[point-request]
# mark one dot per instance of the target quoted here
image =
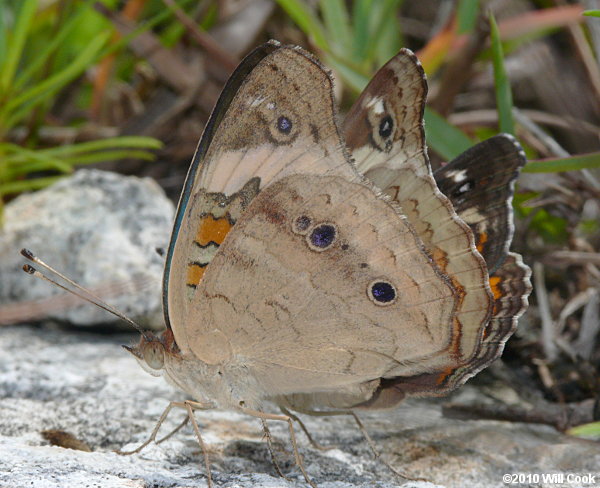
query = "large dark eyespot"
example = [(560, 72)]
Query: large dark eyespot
[(301, 224), (284, 125), (322, 237), (382, 292), (386, 126)]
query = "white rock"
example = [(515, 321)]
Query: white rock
[(87, 385), (100, 229)]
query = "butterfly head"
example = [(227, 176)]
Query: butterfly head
[(152, 350)]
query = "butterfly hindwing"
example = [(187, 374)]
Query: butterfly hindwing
[(481, 201), (384, 131), (480, 184), (322, 287)]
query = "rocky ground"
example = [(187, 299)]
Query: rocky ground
[(83, 383)]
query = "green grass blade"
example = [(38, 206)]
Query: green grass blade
[(25, 16), (383, 21), (18, 161), (110, 155), (467, 13), (16, 158), (573, 163), (306, 19), (445, 139), (504, 100), (361, 14), (337, 24), (3, 33), (22, 104), (25, 169), (591, 430), (390, 42), (42, 57), (592, 13), (138, 142), (27, 185)]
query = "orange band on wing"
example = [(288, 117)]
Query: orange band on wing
[(495, 286), (444, 374), (212, 230), (441, 259), (195, 272), (481, 240)]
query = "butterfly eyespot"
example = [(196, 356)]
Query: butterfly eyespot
[(302, 224), (386, 127), (322, 237), (284, 125), (345, 247), (382, 292)]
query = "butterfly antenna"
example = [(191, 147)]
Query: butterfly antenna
[(87, 295)]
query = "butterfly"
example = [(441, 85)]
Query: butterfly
[(324, 269)]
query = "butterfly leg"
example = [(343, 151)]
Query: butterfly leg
[(175, 430), (284, 418), (314, 443), (271, 451), (367, 437), (152, 435), (376, 452), (189, 407)]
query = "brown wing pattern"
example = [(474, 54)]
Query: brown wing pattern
[(384, 131), (275, 117)]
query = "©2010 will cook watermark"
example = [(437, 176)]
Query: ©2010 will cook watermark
[(551, 478)]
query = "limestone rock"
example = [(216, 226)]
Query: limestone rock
[(85, 384), (100, 229)]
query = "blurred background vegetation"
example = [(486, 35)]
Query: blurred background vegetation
[(115, 83)]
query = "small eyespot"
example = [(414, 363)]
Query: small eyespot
[(301, 224), (345, 247), (322, 237), (386, 126), (284, 125), (382, 292)]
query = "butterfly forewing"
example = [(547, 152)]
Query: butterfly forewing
[(384, 127), (275, 117)]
